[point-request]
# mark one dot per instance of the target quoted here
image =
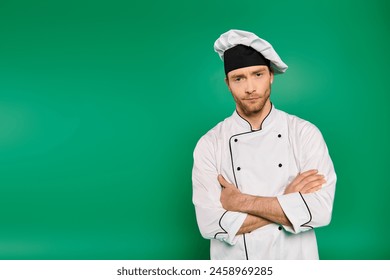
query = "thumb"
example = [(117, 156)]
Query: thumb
[(222, 181)]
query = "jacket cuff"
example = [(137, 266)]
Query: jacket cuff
[(296, 210), (231, 222)]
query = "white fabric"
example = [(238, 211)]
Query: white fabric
[(269, 159), (236, 37)]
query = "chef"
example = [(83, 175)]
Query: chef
[(263, 179)]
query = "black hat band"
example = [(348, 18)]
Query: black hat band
[(241, 56)]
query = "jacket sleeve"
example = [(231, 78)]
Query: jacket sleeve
[(307, 211), (213, 221)]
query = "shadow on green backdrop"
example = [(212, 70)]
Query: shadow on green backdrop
[(102, 103)]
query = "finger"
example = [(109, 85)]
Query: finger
[(306, 180), (313, 186), (304, 175), (312, 190), (312, 178), (308, 173)]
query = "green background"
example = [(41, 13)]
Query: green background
[(102, 103)]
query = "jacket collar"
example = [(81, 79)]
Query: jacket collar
[(268, 120)]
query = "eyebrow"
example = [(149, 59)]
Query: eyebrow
[(241, 75), (259, 70), (237, 76)]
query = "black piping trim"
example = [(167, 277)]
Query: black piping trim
[(220, 219), (231, 159), (215, 236), (305, 224), (246, 250), (235, 179), (261, 125), (243, 133)]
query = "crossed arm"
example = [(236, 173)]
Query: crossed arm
[(265, 210)]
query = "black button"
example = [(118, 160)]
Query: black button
[(280, 135), (280, 228), (235, 140), (238, 168), (280, 165)]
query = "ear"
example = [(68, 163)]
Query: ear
[(272, 76)]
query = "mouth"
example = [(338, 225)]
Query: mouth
[(252, 98)]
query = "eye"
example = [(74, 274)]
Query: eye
[(259, 74), (237, 79)]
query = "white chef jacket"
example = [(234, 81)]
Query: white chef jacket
[(262, 163)]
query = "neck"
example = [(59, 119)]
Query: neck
[(255, 119)]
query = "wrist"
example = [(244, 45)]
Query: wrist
[(246, 203)]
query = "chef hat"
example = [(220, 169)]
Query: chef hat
[(234, 38)]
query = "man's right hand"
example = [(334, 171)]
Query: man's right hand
[(306, 182)]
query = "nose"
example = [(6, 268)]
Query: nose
[(250, 86)]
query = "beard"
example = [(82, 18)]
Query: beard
[(252, 105)]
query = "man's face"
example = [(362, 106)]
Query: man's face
[(251, 88)]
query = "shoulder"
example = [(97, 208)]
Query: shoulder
[(301, 129), (303, 132), (299, 125)]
